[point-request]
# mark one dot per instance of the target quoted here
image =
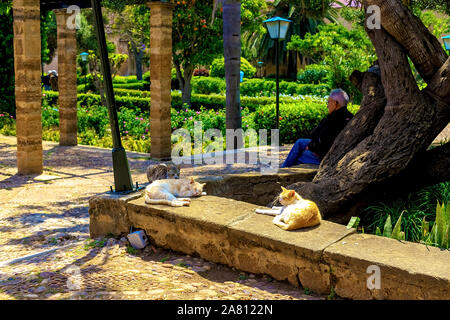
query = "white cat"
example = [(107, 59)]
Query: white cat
[(168, 191)]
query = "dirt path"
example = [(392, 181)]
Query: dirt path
[(40, 216)]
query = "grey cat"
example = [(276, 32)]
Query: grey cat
[(162, 171)]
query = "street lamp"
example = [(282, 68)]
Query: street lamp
[(277, 30), (447, 42), (259, 65), (84, 57), (122, 175)]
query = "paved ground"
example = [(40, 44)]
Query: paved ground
[(51, 217), (40, 216)]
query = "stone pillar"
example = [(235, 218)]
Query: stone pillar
[(27, 70), (67, 79), (160, 67)]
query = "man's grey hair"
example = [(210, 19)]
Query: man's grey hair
[(340, 96)]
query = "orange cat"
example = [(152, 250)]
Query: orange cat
[(297, 212), (167, 191)]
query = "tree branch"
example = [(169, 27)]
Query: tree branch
[(422, 47)]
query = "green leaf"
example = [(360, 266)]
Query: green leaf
[(440, 224), (378, 231), (387, 231), (396, 232), (424, 229), (353, 223)]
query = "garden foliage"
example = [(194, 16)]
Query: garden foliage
[(217, 68)]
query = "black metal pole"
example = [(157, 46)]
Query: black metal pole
[(122, 176), (278, 85)]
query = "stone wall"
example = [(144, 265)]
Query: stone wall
[(326, 258), (254, 187)]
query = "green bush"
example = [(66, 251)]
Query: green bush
[(140, 100), (131, 93), (413, 210), (125, 79), (146, 76), (7, 94), (217, 68), (314, 73), (297, 120), (134, 86), (260, 87), (207, 85), (7, 124)]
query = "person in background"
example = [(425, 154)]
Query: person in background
[(46, 82), (53, 79), (322, 137)]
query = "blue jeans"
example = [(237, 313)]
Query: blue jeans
[(299, 155)]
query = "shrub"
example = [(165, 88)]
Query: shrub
[(313, 73), (413, 209), (296, 119), (140, 100), (208, 85), (131, 93), (146, 76), (7, 94), (259, 87), (135, 86), (217, 68), (7, 124), (125, 79)]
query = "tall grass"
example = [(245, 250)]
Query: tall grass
[(415, 207)]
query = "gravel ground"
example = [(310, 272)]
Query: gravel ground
[(46, 252)]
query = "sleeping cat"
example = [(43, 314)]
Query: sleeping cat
[(162, 171), (167, 191), (297, 212)]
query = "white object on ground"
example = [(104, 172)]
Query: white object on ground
[(138, 239), (271, 212)]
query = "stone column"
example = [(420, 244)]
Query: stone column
[(67, 79), (27, 70), (160, 67)]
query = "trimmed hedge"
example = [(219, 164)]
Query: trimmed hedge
[(208, 85), (144, 86), (135, 99), (125, 79), (258, 87)]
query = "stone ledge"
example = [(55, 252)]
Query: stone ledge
[(230, 232), (407, 270), (254, 187)]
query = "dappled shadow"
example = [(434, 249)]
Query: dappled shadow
[(222, 273)]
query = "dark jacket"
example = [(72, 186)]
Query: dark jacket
[(322, 137)]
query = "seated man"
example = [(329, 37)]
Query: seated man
[(313, 150)]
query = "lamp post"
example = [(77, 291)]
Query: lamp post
[(84, 57), (277, 30), (447, 43), (122, 176), (259, 65)]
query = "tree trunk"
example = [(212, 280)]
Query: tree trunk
[(385, 145), (184, 79), (232, 54), (187, 89), (138, 57)]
